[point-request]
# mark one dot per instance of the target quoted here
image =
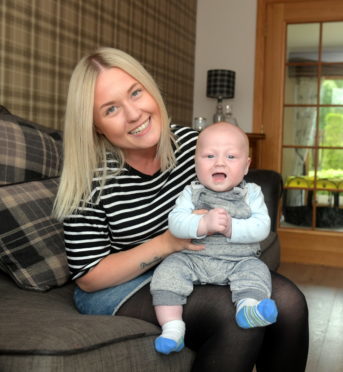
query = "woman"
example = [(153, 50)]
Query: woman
[(124, 166)]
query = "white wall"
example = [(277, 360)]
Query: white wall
[(225, 39)]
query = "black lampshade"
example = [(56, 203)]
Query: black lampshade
[(221, 83)]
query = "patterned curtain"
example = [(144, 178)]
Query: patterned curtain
[(304, 131)]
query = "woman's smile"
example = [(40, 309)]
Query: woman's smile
[(141, 129)]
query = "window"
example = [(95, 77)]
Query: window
[(312, 142)]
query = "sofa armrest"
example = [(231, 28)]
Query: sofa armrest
[(272, 188)]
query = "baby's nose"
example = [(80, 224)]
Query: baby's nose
[(220, 161)]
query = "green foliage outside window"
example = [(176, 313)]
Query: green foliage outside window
[(331, 131), (332, 136)]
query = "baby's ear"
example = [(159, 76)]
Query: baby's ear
[(247, 166)]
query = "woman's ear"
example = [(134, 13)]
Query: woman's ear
[(97, 129)]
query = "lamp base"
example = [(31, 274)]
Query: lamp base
[(219, 114), (228, 116)]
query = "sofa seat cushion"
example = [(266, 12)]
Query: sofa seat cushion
[(45, 332), (31, 241), (55, 327)]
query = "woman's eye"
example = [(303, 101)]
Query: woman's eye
[(111, 110), (136, 92)]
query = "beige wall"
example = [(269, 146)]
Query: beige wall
[(225, 38)]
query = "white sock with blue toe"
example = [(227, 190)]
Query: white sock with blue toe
[(171, 339), (251, 313)]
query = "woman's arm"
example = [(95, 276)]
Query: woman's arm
[(120, 267)]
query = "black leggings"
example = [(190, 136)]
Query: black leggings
[(220, 345)]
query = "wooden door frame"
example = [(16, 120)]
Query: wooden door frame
[(260, 47), (297, 245)]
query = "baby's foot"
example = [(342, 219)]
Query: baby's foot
[(260, 314), (166, 345), (171, 339)]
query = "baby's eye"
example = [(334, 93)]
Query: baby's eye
[(210, 156), (231, 156), (111, 110)]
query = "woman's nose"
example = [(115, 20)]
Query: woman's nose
[(132, 112)]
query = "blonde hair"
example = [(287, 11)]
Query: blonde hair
[(85, 149)]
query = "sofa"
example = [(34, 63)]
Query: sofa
[(40, 328)]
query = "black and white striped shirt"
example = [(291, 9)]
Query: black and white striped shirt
[(133, 208)]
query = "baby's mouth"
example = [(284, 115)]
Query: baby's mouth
[(140, 128), (218, 177)]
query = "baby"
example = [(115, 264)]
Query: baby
[(231, 220)]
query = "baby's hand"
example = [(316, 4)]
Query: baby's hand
[(217, 220)]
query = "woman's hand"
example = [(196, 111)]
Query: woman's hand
[(173, 244), (200, 211)]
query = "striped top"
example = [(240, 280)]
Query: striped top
[(132, 209)]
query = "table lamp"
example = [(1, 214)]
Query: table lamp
[(220, 85)]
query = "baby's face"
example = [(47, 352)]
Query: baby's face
[(222, 157)]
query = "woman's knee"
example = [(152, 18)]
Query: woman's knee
[(288, 296)]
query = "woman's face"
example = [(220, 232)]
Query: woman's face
[(125, 113)]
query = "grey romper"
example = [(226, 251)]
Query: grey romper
[(221, 262)]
